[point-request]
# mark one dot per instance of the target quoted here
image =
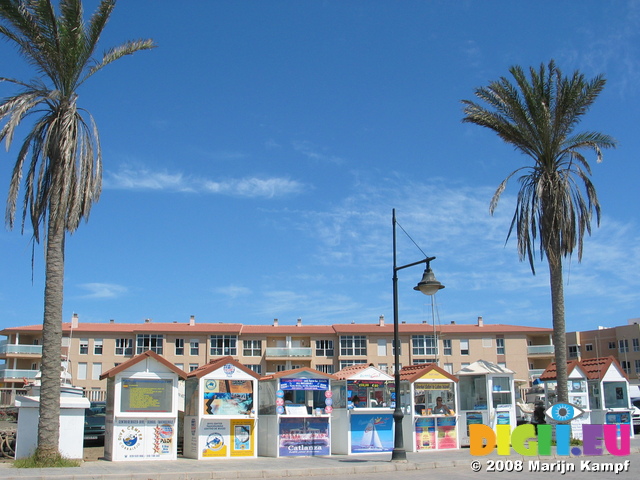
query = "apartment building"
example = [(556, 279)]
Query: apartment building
[(93, 348), (621, 342)]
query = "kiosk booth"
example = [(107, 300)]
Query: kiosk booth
[(577, 388), (486, 396), (366, 425), (72, 408), (295, 413), (219, 417), (430, 425), (608, 389), (142, 409)]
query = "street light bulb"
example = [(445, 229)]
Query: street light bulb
[(428, 285)]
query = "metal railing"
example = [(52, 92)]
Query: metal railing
[(288, 352), (10, 373), (541, 350)]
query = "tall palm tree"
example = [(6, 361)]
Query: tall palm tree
[(556, 201), (60, 157)]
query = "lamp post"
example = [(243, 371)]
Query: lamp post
[(429, 286)]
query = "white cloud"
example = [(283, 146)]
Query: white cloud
[(234, 291), (128, 178), (103, 290)]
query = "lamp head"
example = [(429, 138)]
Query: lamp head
[(428, 285)]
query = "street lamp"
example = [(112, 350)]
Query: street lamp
[(429, 286)]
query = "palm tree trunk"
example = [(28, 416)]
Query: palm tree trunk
[(559, 327), (49, 422)]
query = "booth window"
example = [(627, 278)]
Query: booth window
[(149, 341), (615, 395), (224, 345), (473, 392)]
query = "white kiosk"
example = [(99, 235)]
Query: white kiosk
[(426, 426), (72, 407), (366, 425), (219, 417), (608, 392), (577, 388), (486, 396), (142, 409), (295, 413)]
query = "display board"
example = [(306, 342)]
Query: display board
[(146, 395)]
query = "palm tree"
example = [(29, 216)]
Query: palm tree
[(556, 200), (60, 156)]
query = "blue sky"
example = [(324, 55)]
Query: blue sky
[(252, 162)]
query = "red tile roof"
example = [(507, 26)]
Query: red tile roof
[(411, 373), (214, 365), (351, 370), (551, 371), (139, 358), (593, 368), (289, 373)]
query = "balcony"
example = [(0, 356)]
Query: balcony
[(11, 375), (536, 372), (540, 350), (284, 352), (9, 349)]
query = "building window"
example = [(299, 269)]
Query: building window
[(448, 367), (124, 346), (224, 345), (487, 343), (382, 347), (446, 346), (500, 346), (252, 348), (324, 348), (180, 366), (325, 368), (422, 361), (96, 371), (502, 364), (353, 345), (465, 364), (348, 363), (464, 347), (612, 345), (257, 368), (626, 366), (637, 366), (393, 349), (424, 345), (623, 346), (82, 371), (588, 347), (194, 347), (179, 346), (84, 346), (574, 351), (149, 341), (383, 367), (193, 366), (636, 345), (97, 346)]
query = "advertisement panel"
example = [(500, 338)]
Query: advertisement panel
[(214, 437), (371, 433), (304, 437), (242, 438)]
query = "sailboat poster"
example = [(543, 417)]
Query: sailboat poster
[(371, 433)]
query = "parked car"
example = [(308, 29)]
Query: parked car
[(635, 404), (94, 420)]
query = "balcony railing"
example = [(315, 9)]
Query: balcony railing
[(288, 352), (536, 372), (8, 373), (540, 350), (8, 348)]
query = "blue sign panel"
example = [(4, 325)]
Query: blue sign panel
[(304, 384)]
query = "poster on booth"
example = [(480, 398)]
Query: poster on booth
[(425, 433), (242, 438), (227, 397), (215, 438), (371, 433), (304, 437), (141, 439)]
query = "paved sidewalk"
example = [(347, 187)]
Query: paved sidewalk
[(261, 467)]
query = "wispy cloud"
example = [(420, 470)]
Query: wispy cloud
[(129, 178), (312, 152), (233, 291), (103, 290)]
